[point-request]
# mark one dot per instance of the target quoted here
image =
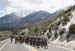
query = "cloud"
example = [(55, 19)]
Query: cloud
[(48, 5), (4, 3), (35, 1), (21, 5), (10, 10), (2, 13)]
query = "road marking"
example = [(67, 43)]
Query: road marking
[(62, 47), (26, 47), (33, 48), (30, 48), (4, 45)]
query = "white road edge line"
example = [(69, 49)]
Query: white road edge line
[(62, 47), (4, 45)]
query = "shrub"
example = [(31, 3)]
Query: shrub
[(62, 31), (65, 20), (72, 29)]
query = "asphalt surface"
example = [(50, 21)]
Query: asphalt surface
[(6, 45), (3, 42), (52, 48)]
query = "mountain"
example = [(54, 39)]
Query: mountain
[(36, 17), (15, 20), (10, 17), (7, 21)]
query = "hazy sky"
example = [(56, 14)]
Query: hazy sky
[(9, 6)]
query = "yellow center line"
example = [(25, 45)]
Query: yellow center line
[(33, 48), (30, 47)]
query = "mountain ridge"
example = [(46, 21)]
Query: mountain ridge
[(12, 20)]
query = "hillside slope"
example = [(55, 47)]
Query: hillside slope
[(62, 30)]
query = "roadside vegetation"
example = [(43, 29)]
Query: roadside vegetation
[(4, 35)]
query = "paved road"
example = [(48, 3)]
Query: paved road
[(2, 42), (52, 48), (7, 46)]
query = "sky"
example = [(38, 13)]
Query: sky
[(10, 6)]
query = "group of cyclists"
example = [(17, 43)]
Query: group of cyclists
[(36, 40)]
